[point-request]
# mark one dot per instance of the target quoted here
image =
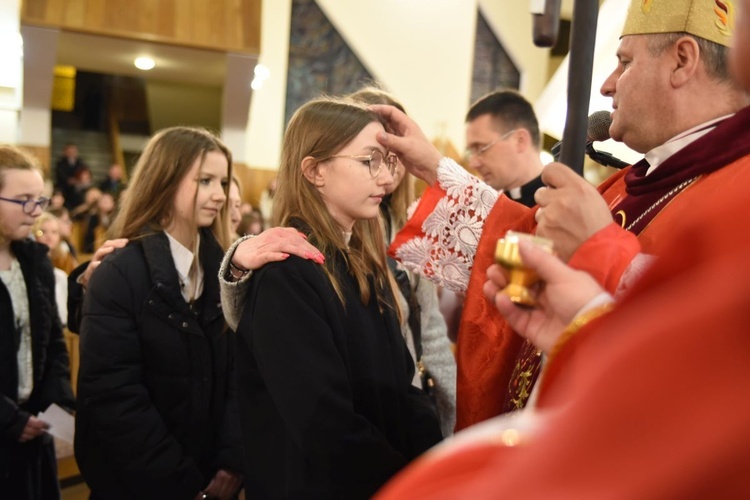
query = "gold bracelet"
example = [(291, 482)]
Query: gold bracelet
[(578, 322)]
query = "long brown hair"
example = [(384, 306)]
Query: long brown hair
[(403, 195), (320, 129), (148, 202)]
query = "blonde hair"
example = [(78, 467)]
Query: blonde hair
[(13, 158), (148, 203), (44, 217), (320, 129), (403, 195)]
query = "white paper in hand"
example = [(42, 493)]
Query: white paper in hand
[(61, 423)]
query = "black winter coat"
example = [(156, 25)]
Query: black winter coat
[(50, 364), (328, 409), (156, 410)]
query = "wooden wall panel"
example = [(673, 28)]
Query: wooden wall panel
[(225, 25), (254, 181), (42, 154)]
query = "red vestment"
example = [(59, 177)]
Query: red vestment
[(649, 401), (487, 349)]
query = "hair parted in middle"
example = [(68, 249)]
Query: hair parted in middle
[(148, 203), (320, 129)]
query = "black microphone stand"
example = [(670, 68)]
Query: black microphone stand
[(604, 158)]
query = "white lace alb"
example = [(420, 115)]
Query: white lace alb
[(445, 254)]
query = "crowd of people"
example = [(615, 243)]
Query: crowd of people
[(306, 355)]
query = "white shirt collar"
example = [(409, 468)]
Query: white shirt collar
[(660, 154), (183, 260)]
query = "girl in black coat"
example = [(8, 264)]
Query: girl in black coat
[(156, 415), (328, 409), (34, 370)]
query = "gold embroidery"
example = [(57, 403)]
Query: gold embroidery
[(624, 217)]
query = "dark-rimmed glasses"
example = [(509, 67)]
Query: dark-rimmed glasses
[(478, 151), (28, 206), (374, 160)]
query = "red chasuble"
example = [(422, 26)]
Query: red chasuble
[(649, 401), (493, 363)]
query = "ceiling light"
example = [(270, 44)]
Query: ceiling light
[(262, 72), (144, 63)]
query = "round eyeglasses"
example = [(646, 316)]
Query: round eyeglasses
[(28, 206), (374, 161)]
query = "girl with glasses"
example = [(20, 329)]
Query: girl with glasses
[(155, 416), (34, 370), (324, 378), (423, 325)]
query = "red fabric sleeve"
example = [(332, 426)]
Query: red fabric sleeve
[(413, 228), (606, 255)]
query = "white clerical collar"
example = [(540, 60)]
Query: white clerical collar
[(183, 259), (515, 193), (660, 154)]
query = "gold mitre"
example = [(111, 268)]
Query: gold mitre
[(709, 19)]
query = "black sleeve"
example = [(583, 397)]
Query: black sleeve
[(304, 372), (56, 387), (75, 298), (12, 420), (229, 449)]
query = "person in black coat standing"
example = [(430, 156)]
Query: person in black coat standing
[(327, 405), (34, 368), (156, 411)]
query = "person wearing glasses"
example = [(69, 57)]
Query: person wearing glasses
[(423, 325), (503, 144), (34, 365), (327, 405)]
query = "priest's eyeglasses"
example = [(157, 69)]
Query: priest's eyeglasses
[(28, 206), (374, 161), (480, 150)]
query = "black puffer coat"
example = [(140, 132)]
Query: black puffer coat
[(51, 373), (156, 412)]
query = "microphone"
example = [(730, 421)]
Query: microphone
[(598, 126), (596, 130), (546, 21)]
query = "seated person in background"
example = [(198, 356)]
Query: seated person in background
[(246, 208), (87, 207), (77, 194), (66, 169), (46, 230), (325, 389), (57, 200), (64, 256), (235, 204), (98, 223), (113, 183), (251, 223), (266, 202)]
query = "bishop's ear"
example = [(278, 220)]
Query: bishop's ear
[(313, 171)]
